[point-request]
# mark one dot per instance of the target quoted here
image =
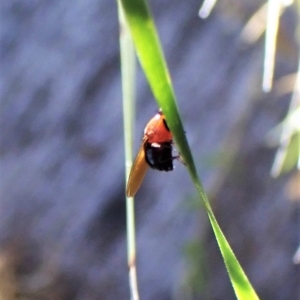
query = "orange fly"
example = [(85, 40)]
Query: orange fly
[(155, 151)]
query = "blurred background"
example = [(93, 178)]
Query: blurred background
[(62, 205)]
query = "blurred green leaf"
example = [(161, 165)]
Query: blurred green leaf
[(292, 153)]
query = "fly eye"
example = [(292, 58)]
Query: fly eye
[(166, 125)]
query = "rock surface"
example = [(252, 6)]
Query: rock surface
[(62, 206)]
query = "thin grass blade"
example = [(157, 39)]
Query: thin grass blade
[(153, 63), (128, 65)]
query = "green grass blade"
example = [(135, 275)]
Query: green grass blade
[(128, 65), (153, 63)]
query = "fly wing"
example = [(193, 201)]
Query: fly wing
[(137, 173)]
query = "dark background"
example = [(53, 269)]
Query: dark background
[(62, 206)]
